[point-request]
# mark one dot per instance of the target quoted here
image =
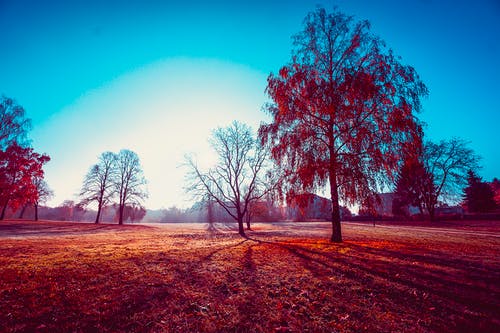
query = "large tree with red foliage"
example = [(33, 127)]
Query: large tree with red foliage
[(341, 111), (20, 168)]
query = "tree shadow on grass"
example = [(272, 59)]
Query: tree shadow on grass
[(409, 278)]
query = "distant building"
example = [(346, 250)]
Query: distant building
[(309, 206), (380, 205), (449, 212)]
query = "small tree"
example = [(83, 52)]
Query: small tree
[(237, 180), (129, 184), (19, 168), (478, 195), (98, 185), (412, 181)]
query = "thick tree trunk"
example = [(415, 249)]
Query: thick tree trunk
[(36, 212), (432, 214), (430, 205), (98, 216), (241, 229), (120, 217), (334, 193)]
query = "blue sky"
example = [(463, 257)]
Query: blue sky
[(156, 76)]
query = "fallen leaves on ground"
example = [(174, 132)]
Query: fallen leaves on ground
[(80, 278)]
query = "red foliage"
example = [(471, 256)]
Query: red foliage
[(341, 111), (19, 169)]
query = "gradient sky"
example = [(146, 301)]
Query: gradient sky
[(157, 76)]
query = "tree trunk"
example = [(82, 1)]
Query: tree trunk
[(431, 207), (334, 193), (22, 211), (4, 209), (98, 216), (241, 230), (36, 212), (210, 211), (248, 218), (120, 217), (432, 215)]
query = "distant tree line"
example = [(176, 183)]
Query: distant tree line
[(343, 118), (70, 210), (303, 208)]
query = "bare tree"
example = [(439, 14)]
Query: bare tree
[(40, 193), (98, 184), (43, 194), (130, 184), (447, 163), (433, 172), (238, 178)]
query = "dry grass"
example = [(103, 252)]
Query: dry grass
[(68, 277)]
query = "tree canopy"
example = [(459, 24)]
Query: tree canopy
[(129, 182), (436, 172), (14, 125), (98, 184), (19, 170), (479, 196), (447, 164), (237, 179), (341, 111)]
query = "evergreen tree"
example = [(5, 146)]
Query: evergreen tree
[(478, 195)]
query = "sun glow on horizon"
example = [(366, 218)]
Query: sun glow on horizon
[(162, 112)]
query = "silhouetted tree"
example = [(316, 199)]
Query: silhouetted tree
[(99, 183), (14, 125), (411, 181), (446, 165), (478, 195), (238, 178), (43, 193), (19, 168), (342, 108), (130, 184)]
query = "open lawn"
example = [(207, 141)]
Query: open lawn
[(79, 277)]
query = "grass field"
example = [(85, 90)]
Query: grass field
[(78, 277)]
